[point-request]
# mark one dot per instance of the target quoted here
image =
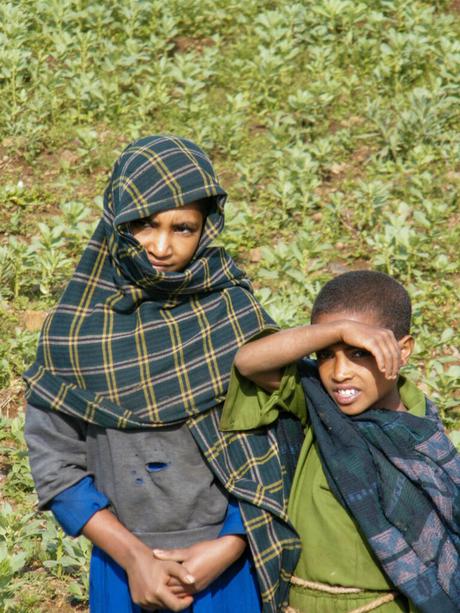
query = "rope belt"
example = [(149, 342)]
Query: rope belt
[(323, 587), (334, 589)]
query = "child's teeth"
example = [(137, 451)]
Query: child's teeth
[(348, 393)]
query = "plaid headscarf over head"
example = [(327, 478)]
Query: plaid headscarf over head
[(128, 346)]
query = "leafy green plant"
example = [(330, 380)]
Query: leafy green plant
[(334, 127)]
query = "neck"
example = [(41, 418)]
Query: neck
[(392, 401)]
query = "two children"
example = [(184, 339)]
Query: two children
[(376, 493), (123, 422)]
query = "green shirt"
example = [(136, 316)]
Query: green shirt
[(333, 550)]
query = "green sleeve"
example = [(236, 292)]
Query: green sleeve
[(247, 406)]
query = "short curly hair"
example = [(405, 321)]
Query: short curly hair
[(367, 291)]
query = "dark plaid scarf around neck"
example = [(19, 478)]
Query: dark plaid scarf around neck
[(128, 346), (398, 475)]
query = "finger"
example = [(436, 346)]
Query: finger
[(171, 555), (175, 603), (178, 588), (174, 584), (180, 591), (181, 573), (386, 352), (165, 599), (375, 348), (397, 361), (392, 355), (178, 604), (388, 360)]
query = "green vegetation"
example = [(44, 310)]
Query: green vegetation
[(334, 125)]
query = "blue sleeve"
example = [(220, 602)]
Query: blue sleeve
[(233, 523), (74, 506)]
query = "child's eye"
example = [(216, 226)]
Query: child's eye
[(323, 354), (184, 228), (361, 353), (140, 224)]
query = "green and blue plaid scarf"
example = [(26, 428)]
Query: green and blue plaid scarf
[(128, 346), (398, 475)]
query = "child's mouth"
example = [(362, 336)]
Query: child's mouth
[(345, 395), (160, 266)]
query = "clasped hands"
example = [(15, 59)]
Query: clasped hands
[(174, 575), (205, 561)]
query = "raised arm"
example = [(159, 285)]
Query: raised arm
[(262, 360)]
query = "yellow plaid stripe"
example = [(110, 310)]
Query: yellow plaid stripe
[(47, 358), (107, 354), (233, 318), (168, 176), (145, 377), (186, 391), (60, 397), (207, 180), (208, 348), (77, 322), (133, 191)]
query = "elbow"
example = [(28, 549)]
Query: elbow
[(241, 363)]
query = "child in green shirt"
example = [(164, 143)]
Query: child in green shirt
[(376, 493)]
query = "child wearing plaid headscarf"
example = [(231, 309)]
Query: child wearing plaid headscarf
[(124, 396)]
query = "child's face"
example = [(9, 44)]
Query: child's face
[(170, 238), (350, 374)]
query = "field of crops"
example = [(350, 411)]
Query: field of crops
[(334, 126)]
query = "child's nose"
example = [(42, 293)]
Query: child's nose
[(342, 368), (160, 244)]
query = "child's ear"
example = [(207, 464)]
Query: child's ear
[(406, 344)]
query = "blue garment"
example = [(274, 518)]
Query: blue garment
[(235, 589), (75, 506)]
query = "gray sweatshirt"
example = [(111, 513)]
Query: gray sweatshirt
[(158, 483)]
